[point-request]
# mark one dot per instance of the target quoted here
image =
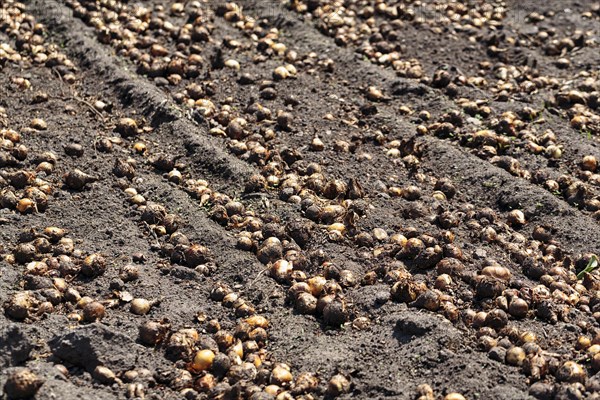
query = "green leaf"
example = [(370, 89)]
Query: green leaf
[(592, 265)]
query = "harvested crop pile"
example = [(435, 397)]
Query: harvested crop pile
[(299, 199)]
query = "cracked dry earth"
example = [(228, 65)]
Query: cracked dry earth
[(299, 199)]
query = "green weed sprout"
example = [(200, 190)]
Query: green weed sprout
[(592, 265)]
